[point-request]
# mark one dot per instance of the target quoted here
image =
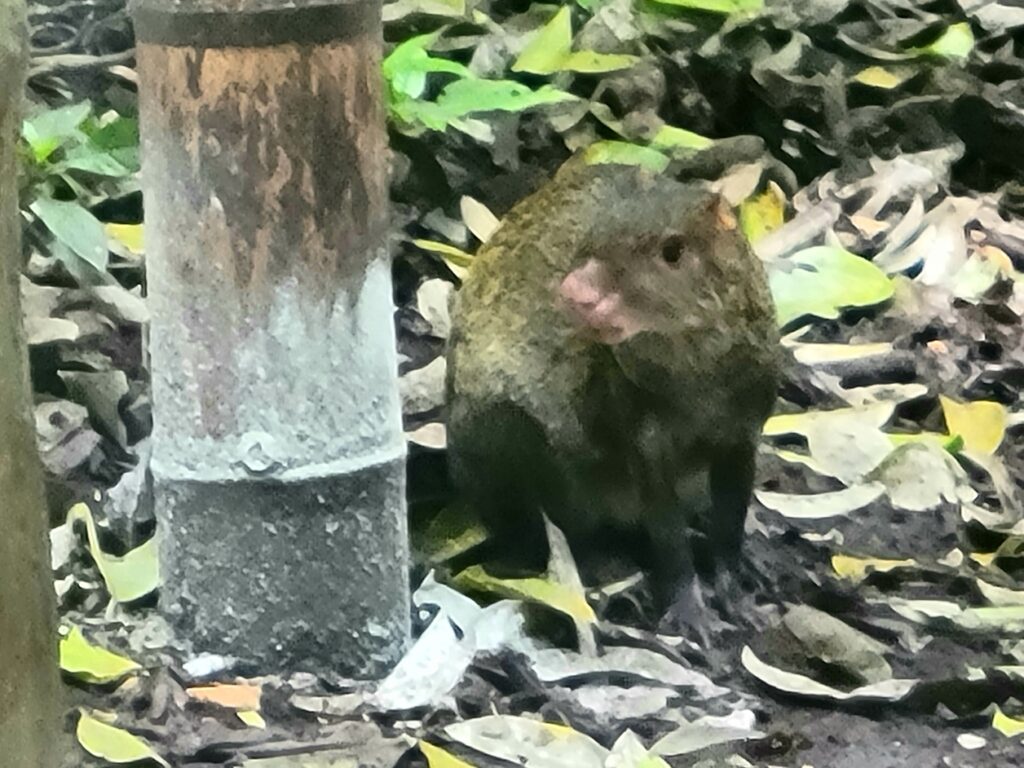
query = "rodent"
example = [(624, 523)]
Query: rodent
[(613, 357)]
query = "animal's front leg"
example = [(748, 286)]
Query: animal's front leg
[(731, 481)]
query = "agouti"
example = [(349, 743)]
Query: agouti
[(613, 357)]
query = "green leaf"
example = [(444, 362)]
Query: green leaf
[(413, 112), (46, 131), (549, 51), (956, 42), (728, 7), (625, 153), (548, 47), (113, 744), (91, 160), (82, 659), (671, 140), (454, 530), (464, 97), (129, 577), (822, 281), (119, 133), (76, 227), (594, 62), (407, 66), (539, 590)]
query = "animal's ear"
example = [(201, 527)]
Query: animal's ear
[(721, 213)]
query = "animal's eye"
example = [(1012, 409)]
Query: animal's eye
[(672, 250)]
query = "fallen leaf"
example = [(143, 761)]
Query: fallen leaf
[(129, 236), (981, 423), (822, 281), (818, 506), (113, 744), (91, 663), (549, 51), (439, 758), (530, 743), (857, 568), (478, 218), (1006, 725), (538, 590), (241, 696), (890, 690), (708, 731), (252, 719), (128, 577)]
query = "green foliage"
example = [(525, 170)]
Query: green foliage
[(550, 51), (407, 69), (822, 281), (70, 158), (727, 7), (74, 227), (625, 153)]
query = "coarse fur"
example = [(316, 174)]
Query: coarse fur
[(640, 430)]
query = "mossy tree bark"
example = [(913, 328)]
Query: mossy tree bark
[(30, 694)]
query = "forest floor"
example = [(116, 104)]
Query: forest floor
[(874, 147)]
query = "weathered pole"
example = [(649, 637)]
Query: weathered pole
[(30, 693), (278, 458)]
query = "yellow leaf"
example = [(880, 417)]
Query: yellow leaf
[(1006, 725), (252, 719), (857, 568), (129, 577), (879, 77), (984, 559), (458, 260), (439, 758), (113, 744), (536, 590), (762, 214), (82, 659), (127, 235), (981, 423)]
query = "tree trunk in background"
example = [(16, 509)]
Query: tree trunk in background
[(30, 692), (278, 454)]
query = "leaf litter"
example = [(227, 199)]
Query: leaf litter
[(885, 540)]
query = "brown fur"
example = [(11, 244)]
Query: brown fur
[(630, 421)]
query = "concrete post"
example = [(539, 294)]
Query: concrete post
[(278, 457)]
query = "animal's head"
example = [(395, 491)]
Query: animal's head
[(661, 254)]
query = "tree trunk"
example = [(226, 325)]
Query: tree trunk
[(30, 693), (278, 454)]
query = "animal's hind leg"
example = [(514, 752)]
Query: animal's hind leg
[(732, 479)]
